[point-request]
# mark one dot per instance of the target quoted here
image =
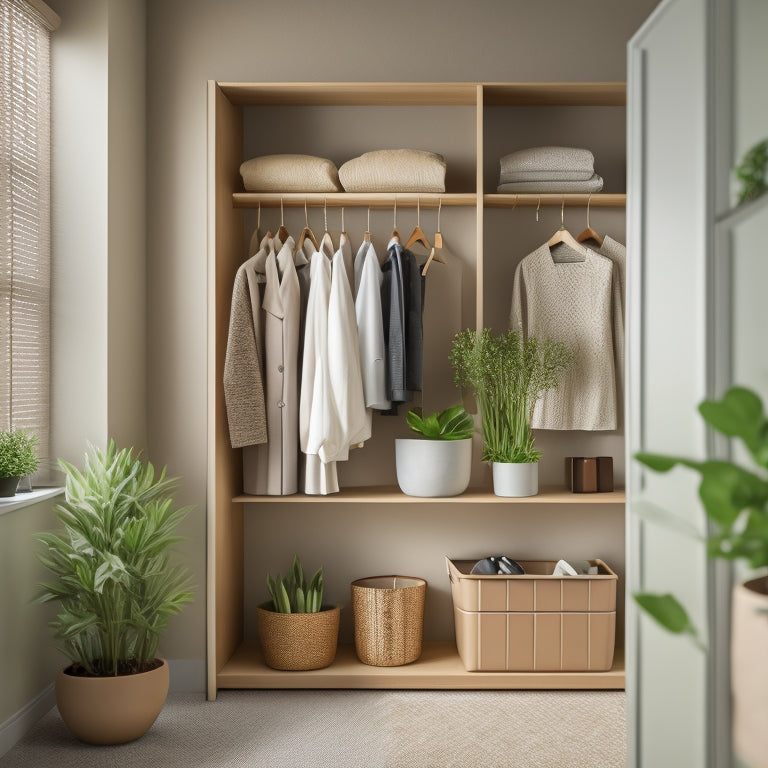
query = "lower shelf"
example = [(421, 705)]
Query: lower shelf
[(439, 667)]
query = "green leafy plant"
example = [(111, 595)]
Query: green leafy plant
[(453, 423), (114, 581), (292, 593), (507, 374), (752, 172), (734, 498), (17, 453)]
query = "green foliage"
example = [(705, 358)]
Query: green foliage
[(453, 423), (735, 499), (113, 578), (667, 611), (17, 453), (752, 172), (292, 594), (507, 374)]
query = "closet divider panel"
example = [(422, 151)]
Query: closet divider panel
[(225, 518)]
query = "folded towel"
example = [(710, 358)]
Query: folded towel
[(505, 178), (594, 184), (548, 159), (394, 170)]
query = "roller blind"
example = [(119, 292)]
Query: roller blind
[(25, 215)]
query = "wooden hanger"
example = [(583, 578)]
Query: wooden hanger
[(282, 233), (589, 233), (418, 236), (395, 234), (435, 254), (564, 236), (256, 237), (307, 232)]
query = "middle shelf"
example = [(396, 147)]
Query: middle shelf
[(388, 494)]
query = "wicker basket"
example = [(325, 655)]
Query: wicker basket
[(389, 619), (298, 641)]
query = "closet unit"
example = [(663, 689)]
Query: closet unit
[(370, 527)]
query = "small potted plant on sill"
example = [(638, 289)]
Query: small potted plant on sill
[(297, 632), (17, 459), (439, 463), (116, 590), (507, 374)]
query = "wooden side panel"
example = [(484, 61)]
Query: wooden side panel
[(225, 529)]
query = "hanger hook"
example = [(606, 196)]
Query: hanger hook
[(537, 208), (589, 200), (306, 215), (258, 217), (562, 213), (516, 198), (369, 219), (418, 210), (325, 212), (395, 214), (439, 209), (342, 219), (281, 212)]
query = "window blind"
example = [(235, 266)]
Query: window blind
[(25, 237)]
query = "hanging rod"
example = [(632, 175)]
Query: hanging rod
[(352, 199)]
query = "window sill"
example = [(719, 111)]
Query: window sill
[(28, 498)]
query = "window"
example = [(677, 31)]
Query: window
[(25, 217)]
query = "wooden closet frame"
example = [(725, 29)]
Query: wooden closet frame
[(231, 663)]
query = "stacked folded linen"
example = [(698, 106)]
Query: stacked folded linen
[(549, 169)]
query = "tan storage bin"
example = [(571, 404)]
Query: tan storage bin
[(535, 622), (389, 619)]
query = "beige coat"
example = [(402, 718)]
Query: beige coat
[(282, 308)]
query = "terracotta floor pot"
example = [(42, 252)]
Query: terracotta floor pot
[(111, 710), (298, 641), (749, 672)]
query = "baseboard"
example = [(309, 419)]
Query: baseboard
[(187, 675), (17, 725)]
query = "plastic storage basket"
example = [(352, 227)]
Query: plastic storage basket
[(535, 622), (389, 619)]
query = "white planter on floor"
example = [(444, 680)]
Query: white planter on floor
[(515, 480), (433, 467)]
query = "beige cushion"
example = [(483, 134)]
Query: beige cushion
[(394, 170), (290, 173)]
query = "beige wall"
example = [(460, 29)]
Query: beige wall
[(28, 658), (190, 42)]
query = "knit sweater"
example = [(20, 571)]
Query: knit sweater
[(578, 303)]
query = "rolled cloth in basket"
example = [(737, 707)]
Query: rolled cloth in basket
[(394, 170), (594, 184), (290, 173), (543, 160)]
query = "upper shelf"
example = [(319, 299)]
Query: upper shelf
[(426, 94), (425, 200)]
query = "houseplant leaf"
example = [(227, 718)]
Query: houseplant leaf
[(667, 611)]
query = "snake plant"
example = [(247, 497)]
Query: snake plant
[(292, 593)]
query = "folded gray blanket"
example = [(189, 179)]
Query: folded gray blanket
[(545, 176), (548, 159), (593, 184)]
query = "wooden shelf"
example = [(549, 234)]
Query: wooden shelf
[(352, 199), (611, 94), (438, 668), (391, 494), (598, 200)]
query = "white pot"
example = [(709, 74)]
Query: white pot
[(749, 671), (433, 467), (515, 480)]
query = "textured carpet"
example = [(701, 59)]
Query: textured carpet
[(347, 729)]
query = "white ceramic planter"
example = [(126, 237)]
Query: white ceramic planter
[(433, 467), (749, 671), (515, 480)]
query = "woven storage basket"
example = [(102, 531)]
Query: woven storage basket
[(298, 641), (389, 619)]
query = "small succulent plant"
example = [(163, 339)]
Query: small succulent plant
[(453, 423), (292, 593)]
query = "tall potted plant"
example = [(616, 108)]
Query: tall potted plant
[(117, 589), (507, 374), (735, 499), (17, 459), (439, 462)]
